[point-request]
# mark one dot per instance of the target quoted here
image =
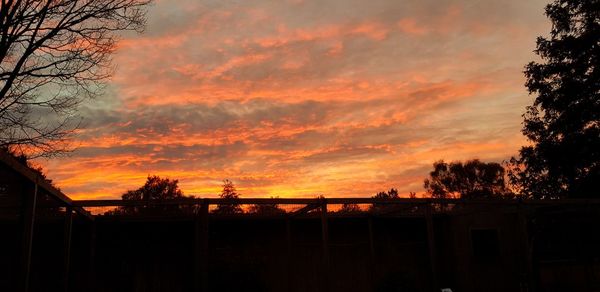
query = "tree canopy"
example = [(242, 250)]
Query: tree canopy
[(350, 208), (563, 123), (391, 194), (53, 55), (229, 192), (154, 189), (472, 179), (266, 209)]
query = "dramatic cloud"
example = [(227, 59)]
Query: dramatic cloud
[(299, 98)]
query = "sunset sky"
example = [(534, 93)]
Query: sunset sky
[(296, 98)]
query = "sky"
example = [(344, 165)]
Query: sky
[(298, 98)]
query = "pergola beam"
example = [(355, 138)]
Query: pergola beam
[(41, 183)]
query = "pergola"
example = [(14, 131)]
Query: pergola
[(32, 186)]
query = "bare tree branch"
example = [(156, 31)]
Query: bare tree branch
[(53, 55)]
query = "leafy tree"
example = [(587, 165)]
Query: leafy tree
[(155, 189), (266, 209), (563, 123), (350, 208), (391, 194), (53, 55), (473, 179), (229, 192)]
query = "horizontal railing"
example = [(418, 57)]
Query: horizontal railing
[(307, 201)]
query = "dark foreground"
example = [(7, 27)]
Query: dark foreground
[(467, 247), (49, 242)]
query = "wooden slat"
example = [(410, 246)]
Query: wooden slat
[(30, 199)]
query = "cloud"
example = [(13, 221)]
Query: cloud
[(297, 98)]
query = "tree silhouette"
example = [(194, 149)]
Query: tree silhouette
[(266, 209), (349, 209), (155, 189), (473, 179), (391, 194), (53, 55), (563, 123), (229, 192)]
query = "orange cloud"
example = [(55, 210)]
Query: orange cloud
[(287, 101), (409, 26)]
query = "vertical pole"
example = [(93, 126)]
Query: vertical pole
[(371, 254), (197, 255), (92, 263), (204, 246), (67, 247), (288, 241), (527, 282), (431, 246), (325, 243), (30, 201)]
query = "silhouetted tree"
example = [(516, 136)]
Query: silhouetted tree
[(266, 209), (391, 194), (563, 123), (229, 192), (53, 55), (350, 208), (155, 189), (473, 179)]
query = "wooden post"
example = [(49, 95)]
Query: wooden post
[(325, 243), (67, 247), (197, 255), (202, 246), (431, 246), (92, 263), (371, 254), (527, 282), (30, 201), (288, 241)]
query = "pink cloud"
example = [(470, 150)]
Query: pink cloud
[(288, 101)]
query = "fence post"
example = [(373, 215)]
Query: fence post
[(92, 263), (431, 245), (201, 247), (30, 201), (527, 283), (325, 243), (371, 254), (288, 241), (67, 246)]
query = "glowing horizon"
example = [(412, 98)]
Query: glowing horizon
[(302, 98)]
